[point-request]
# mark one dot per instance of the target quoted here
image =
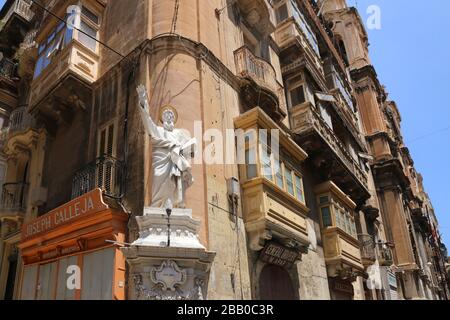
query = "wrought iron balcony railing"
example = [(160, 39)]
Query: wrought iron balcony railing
[(8, 68), (14, 197), (385, 255), (368, 252), (105, 173), (20, 120)]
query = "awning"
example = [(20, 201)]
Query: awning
[(325, 97)]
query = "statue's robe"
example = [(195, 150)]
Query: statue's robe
[(169, 163)]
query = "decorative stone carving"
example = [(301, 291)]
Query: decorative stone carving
[(162, 272), (169, 276)]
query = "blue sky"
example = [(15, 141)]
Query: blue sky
[(411, 55)]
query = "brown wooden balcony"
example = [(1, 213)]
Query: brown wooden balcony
[(259, 84), (14, 200), (105, 173), (270, 210), (342, 248), (368, 249), (329, 153), (16, 16), (64, 86), (293, 42)]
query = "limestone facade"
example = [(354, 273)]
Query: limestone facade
[(339, 213)]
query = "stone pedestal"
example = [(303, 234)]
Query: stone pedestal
[(161, 272)]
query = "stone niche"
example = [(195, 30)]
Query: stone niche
[(162, 272)]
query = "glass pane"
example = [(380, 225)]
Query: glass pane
[(289, 182), (326, 217), (266, 164), (279, 174), (323, 200), (68, 36), (250, 160), (297, 96), (85, 39), (90, 15), (39, 66), (348, 227), (299, 189)]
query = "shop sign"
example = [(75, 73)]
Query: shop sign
[(278, 255), (344, 287), (87, 204)]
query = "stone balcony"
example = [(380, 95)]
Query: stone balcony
[(318, 139), (65, 85), (259, 84), (291, 40)]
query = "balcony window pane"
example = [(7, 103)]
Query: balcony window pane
[(250, 160), (68, 36), (90, 15), (289, 181), (337, 214), (299, 189), (279, 174), (282, 13), (85, 39), (326, 217), (297, 96), (323, 200), (348, 228), (266, 164)]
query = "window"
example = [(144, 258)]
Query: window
[(279, 174), (299, 189), (326, 217), (297, 96), (289, 181), (282, 13), (61, 36), (106, 141), (305, 28), (326, 116), (56, 41)]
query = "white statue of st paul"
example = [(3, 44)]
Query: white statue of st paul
[(172, 150)]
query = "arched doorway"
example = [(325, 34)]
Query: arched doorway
[(275, 284)]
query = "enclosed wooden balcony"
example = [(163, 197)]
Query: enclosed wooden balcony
[(295, 46), (259, 84), (64, 86), (342, 248), (14, 200), (273, 197), (330, 154)]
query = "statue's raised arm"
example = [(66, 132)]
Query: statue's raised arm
[(150, 127)]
